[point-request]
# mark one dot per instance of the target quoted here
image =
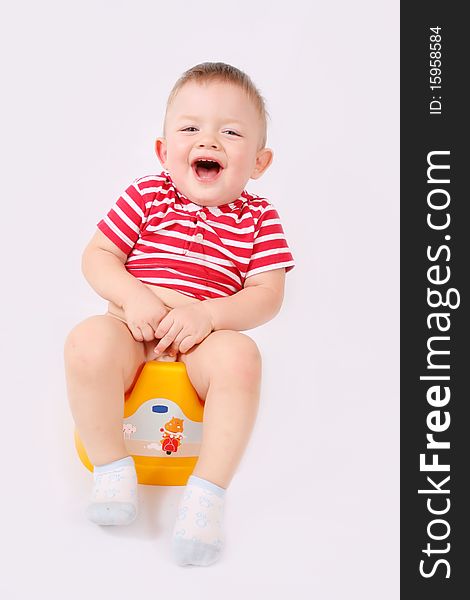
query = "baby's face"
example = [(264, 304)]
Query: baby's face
[(218, 122)]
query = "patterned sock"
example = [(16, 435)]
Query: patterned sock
[(114, 495), (197, 535)]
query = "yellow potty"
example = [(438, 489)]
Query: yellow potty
[(162, 425)]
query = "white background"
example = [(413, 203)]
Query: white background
[(313, 509)]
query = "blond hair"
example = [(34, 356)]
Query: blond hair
[(219, 71)]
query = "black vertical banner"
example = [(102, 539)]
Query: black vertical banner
[(435, 268)]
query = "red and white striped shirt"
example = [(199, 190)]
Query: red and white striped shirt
[(201, 251)]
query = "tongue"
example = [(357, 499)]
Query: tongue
[(207, 173)]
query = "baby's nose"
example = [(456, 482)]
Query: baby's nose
[(208, 143)]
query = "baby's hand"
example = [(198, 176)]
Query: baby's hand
[(143, 311), (183, 328)]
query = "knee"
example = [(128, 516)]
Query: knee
[(88, 346), (237, 356)]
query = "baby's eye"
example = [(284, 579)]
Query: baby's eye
[(232, 132), (187, 128)]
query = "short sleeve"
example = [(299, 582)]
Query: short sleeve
[(270, 248), (124, 220)]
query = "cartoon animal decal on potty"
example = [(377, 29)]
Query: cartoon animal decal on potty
[(155, 429), (172, 435)]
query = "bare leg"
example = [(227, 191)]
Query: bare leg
[(101, 362), (225, 370)]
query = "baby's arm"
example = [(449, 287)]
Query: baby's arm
[(258, 302), (103, 267)]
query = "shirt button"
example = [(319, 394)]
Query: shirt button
[(198, 237), (202, 215)]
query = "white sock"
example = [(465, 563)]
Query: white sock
[(197, 535), (114, 495)]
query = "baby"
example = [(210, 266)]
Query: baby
[(187, 259)]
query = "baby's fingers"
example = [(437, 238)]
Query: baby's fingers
[(187, 343), (175, 346), (136, 332), (147, 332), (158, 317), (141, 331), (167, 339), (164, 327)]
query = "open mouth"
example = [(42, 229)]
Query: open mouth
[(207, 170)]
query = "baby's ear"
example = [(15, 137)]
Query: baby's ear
[(264, 158), (160, 149)]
